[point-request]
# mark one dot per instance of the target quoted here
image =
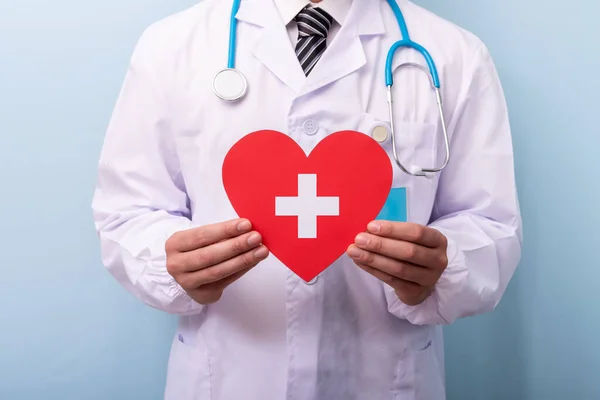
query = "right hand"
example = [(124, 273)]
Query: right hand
[(205, 260)]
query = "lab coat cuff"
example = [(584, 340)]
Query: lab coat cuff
[(163, 290), (165, 287), (437, 308)]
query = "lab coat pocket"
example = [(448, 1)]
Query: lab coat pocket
[(416, 143), (416, 146), (418, 370), (188, 376)]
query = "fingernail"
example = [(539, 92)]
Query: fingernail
[(244, 226), (361, 239), (254, 239), (374, 227), (354, 252), (261, 252)]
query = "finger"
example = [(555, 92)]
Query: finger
[(223, 283), (408, 232), (226, 269), (400, 250), (382, 276), (219, 252), (401, 270), (203, 236), (219, 286), (212, 292), (404, 290)]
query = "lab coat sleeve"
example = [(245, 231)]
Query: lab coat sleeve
[(140, 198), (476, 206)]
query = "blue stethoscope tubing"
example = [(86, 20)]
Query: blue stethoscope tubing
[(233, 34), (405, 42)]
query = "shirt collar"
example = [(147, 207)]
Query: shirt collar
[(338, 9)]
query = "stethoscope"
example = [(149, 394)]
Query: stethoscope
[(230, 84)]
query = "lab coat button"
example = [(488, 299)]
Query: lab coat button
[(313, 281), (310, 127)]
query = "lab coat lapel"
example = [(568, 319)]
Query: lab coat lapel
[(345, 54), (272, 46)]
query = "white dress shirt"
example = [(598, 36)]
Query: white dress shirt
[(288, 9)]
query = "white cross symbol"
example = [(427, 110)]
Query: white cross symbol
[(307, 206)]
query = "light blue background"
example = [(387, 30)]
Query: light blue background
[(543, 342), (69, 332)]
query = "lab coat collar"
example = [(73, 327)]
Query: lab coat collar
[(338, 9), (272, 46), (270, 42), (364, 15)]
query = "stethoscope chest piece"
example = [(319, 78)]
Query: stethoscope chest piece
[(230, 84)]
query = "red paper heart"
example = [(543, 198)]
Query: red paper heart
[(348, 165)]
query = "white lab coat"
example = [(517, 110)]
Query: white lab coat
[(272, 336)]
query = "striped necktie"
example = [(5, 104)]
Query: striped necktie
[(313, 26)]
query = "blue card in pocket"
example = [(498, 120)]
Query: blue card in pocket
[(395, 207)]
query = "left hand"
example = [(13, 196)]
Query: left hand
[(408, 257)]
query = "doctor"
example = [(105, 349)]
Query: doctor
[(369, 326)]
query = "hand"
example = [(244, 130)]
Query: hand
[(205, 260), (408, 257)]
